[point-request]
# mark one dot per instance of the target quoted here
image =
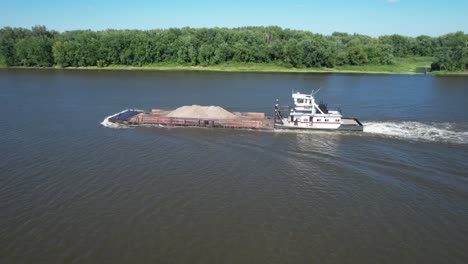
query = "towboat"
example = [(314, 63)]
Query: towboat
[(308, 115)]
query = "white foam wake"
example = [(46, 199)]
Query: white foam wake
[(436, 132), (110, 124)]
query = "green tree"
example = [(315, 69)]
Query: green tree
[(223, 53), (34, 51), (402, 46), (293, 53), (453, 55), (424, 46), (208, 46), (357, 56)]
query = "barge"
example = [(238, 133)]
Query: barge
[(305, 115), (245, 120)]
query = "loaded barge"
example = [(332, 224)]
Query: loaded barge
[(305, 115), (246, 120)]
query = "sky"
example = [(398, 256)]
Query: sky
[(369, 17)]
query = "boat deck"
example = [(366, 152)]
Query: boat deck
[(350, 122)]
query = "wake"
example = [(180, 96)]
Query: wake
[(110, 124), (434, 132)]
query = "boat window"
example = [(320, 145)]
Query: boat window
[(326, 120), (318, 120), (300, 101), (337, 120)]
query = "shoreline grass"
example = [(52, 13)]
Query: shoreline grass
[(410, 65), (450, 73)]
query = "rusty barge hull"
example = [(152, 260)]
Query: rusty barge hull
[(244, 120)]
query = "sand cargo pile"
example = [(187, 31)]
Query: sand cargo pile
[(195, 115), (206, 112)]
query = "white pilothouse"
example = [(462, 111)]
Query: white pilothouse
[(307, 114)]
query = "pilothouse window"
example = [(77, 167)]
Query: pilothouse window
[(300, 101)]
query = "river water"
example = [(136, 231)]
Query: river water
[(75, 191)]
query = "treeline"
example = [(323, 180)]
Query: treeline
[(40, 47)]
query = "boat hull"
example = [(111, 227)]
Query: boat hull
[(348, 124)]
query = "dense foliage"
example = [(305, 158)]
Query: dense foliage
[(189, 46)]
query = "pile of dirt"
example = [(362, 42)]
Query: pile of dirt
[(203, 112)]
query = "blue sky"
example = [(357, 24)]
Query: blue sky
[(371, 17)]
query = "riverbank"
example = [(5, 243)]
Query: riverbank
[(414, 65), (401, 66)]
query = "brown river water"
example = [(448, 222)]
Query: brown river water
[(73, 190)]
